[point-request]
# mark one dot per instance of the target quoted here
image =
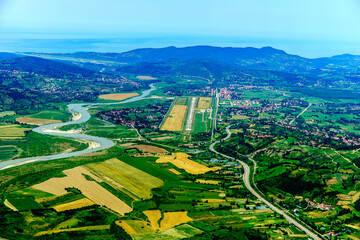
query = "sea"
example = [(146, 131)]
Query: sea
[(118, 44)]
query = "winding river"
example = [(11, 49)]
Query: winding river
[(50, 129)]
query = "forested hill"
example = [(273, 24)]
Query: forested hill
[(45, 67), (28, 83), (266, 58)]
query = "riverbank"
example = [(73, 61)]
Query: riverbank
[(81, 114)]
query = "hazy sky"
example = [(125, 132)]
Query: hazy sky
[(335, 21)]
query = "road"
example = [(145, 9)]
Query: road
[(52, 129), (246, 178), (291, 122)]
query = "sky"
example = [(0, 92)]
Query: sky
[(311, 28)]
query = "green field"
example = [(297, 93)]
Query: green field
[(113, 132), (12, 131), (182, 101), (149, 166), (35, 193), (179, 232), (37, 144), (239, 117), (133, 179), (202, 123), (93, 122), (24, 203), (8, 152), (53, 115)]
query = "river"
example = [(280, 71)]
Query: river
[(50, 129)]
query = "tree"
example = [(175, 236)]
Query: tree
[(357, 205), (119, 232)]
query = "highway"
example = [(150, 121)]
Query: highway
[(246, 178)]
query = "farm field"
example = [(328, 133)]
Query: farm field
[(179, 232), (89, 228), (202, 115), (204, 102), (23, 203), (91, 189), (202, 121), (61, 115), (36, 121), (213, 182), (7, 113), (84, 202), (182, 101), (126, 176), (175, 120), (145, 78), (112, 132), (239, 117), (36, 144), (154, 217), (172, 219), (12, 131), (135, 226), (150, 149), (8, 152), (118, 96), (37, 194), (181, 160)]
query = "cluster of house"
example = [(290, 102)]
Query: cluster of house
[(321, 206), (339, 135), (225, 93), (122, 116)]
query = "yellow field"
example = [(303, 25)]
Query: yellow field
[(176, 118), (89, 228), (12, 131), (341, 202), (212, 200), (36, 121), (320, 214), (181, 160), (204, 102), (67, 224), (150, 149), (153, 216), (172, 219), (90, 189), (174, 171), (355, 197), (9, 205), (7, 113), (133, 179), (212, 182), (135, 226), (344, 197), (118, 96), (84, 202), (145, 78), (332, 181), (239, 117)]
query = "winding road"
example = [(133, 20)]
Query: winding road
[(291, 122), (246, 178), (52, 129)]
